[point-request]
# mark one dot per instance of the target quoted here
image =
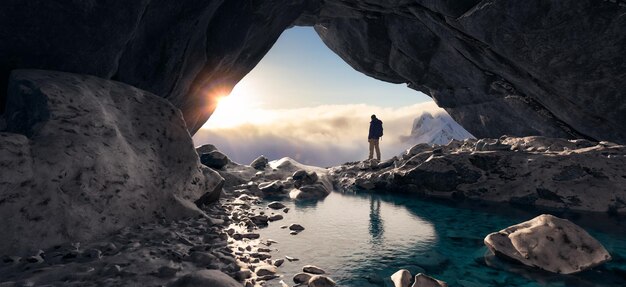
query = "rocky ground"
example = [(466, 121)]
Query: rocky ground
[(544, 172), (179, 253)]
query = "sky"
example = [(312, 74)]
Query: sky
[(305, 102)]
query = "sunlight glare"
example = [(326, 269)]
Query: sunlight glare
[(240, 107)]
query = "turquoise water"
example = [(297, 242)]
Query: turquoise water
[(360, 239)]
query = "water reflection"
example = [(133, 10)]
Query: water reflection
[(376, 222)]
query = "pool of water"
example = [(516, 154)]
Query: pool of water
[(360, 239)]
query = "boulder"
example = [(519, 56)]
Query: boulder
[(308, 192), (402, 278), (549, 243), (213, 278), (271, 188), (205, 148), (259, 163), (321, 281), (214, 159), (422, 280), (83, 157)]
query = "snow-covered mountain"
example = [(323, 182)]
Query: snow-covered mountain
[(439, 128)]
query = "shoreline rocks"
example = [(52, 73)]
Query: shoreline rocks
[(549, 243), (551, 173)]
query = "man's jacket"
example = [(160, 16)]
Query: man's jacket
[(376, 129)]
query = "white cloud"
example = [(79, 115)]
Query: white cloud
[(324, 135)]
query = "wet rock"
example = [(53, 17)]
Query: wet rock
[(259, 163), (308, 192), (271, 188), (422, 280), (291, 259), (312, 269), (275, 217), (550, 243), (276, 205), (214, 159), (402, 278), (213, 278), (301, 278), (321, 281), (265, 269), (279, 262), (296, 227)]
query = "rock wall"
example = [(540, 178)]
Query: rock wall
[(554, 68), (82, 157)]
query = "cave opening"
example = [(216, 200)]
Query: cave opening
[(303, 101)]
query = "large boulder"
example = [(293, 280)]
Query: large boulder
[(549, 243), (83, 157), (214, 159)]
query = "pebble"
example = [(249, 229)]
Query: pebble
[(296, 227), (286, 209), (313, 269), (275, 217), (265, 269), (279, 262), (291, 259), (276, 205), (294, 233)]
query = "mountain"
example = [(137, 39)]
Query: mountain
[(435, 129)]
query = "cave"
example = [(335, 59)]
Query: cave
[(548, 68), (100, 99)]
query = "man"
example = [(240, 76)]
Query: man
[(376, 131)]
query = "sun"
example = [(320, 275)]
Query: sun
[(237, 108)]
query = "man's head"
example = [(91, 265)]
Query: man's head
[(373, 117)]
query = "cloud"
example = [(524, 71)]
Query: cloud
[(323, 135)]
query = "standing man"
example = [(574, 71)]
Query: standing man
[(376, 131)]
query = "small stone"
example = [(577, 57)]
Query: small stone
[(294, 232), (92, 253), (279, 262), (321, 281), (167, 272), (267, 277), (276, 205), (283, 226), (301, 278), (313, 269), (265, 270), (291, 259), (275, 217), (243, 274), (251, 235), (286, 209), (296, 227)]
